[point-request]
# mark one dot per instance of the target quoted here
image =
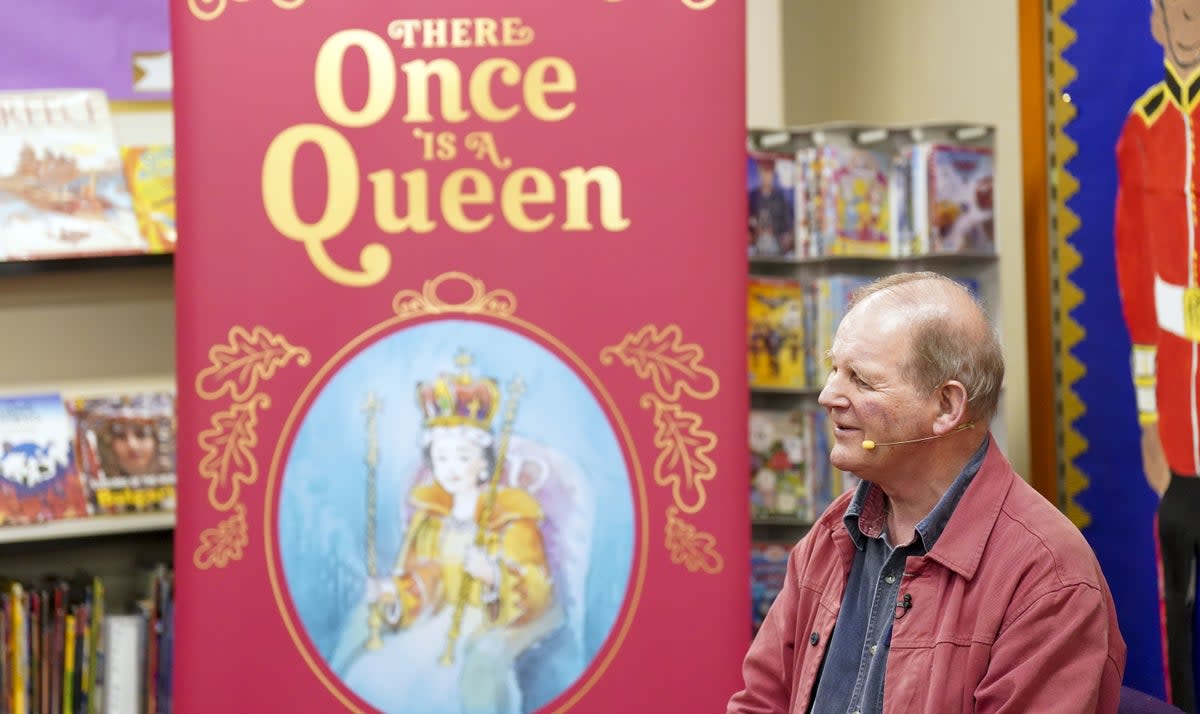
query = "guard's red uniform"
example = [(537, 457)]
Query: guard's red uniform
[(1156, 249), (1158, 272)]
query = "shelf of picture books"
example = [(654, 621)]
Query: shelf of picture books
[(68, 646), (70, 195), (76, 467), (846, 191)]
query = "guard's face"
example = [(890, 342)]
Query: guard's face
[(458, 464), (1180, 31)]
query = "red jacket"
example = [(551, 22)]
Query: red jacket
[(1010, 613), (1155, 237)]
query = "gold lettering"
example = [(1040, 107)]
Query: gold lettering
[(609, 183), (455, 195), (514, 198), (381, 78), (460, 32), (341, 170), (405, 31), (418, 73), (515, 32), (485, 32), (481, 88), (537, 86), (484, 146), (433, 32), (416, 196)]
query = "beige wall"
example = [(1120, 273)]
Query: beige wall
[(913, 61), (764, 63)]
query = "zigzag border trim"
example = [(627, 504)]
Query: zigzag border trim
[(1065, 260)]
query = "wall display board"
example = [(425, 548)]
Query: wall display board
[(1118, 242), (121, 47)]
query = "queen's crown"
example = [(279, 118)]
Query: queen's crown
[(459, 399)]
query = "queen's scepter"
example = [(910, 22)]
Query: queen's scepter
[(374, 617), (485, 514)]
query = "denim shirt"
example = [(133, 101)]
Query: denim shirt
[(851, 678)]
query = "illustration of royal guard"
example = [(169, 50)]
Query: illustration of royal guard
[(1158, 273)]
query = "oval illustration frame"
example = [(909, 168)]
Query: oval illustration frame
[(496, 308)]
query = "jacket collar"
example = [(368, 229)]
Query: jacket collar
[(961, 544), (960, 547), (1184, 91)]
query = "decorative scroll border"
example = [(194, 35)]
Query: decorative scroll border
[(500, 306), (235, 370), (675, 368), (689, 4), (1065, 261), (212, 9)]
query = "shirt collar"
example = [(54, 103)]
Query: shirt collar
[(866, 516)]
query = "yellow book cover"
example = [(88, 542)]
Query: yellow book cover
[(775, 309), (150, 171), (17, 648), (68, 702)]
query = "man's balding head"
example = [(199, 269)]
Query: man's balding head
[(950, 335)]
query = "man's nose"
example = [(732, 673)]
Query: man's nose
[(831, 394)]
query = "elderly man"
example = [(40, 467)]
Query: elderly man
[(943, 583)]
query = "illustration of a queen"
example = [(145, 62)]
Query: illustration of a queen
[(472, 587)]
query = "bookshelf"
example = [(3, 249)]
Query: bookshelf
[(88, 327), (865, 202), (84, 327)]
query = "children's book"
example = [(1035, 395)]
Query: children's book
[(779, 455), (38, 477), (770, 189), (150, 171), (768, 573), (126, 447), (776, 333), (63, 191), (959, 192)]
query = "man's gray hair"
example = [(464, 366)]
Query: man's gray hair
[(966, 350)]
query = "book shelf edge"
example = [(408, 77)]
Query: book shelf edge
[(88, 527)]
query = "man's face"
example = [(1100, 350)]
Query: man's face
[(1176, 26), (868, 394)]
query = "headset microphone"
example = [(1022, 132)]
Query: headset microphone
[(869, 445)]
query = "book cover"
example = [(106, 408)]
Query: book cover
[(779, 455), (126, 451), (63, 192), (768, 573), (960, 196), (39, 480), (770, 188), (775, 322), (858, 189), (471, 286), (150, 172)]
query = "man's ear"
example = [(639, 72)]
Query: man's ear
[(951, 407), (1158, 23)]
